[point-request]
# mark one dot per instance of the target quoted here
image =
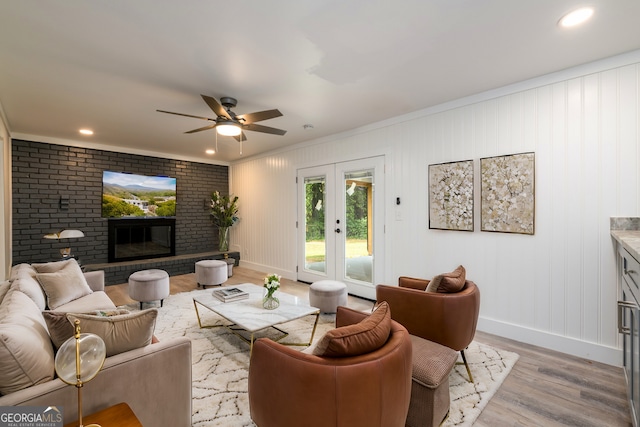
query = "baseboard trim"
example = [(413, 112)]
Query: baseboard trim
[(572, 346), (269, 270)]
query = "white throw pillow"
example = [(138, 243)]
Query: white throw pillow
[(62, 282)]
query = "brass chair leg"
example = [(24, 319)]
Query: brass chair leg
[(464, 359)]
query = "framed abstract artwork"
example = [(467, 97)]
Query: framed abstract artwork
[(451, 196), (507, 193)]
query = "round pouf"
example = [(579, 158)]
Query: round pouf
[(149, 285), (327, 295), (211, 272)]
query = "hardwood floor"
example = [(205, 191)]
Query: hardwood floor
[(545, 388)]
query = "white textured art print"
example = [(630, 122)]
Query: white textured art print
[(507, 193), (451, 196)]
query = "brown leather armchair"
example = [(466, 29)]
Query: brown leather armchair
[(288, 388), (448, 319)]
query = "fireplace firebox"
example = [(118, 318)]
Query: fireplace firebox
[(132, 239)]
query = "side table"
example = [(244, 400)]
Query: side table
[(119, 415)]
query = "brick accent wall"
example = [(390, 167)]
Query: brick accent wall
[(44, 173)]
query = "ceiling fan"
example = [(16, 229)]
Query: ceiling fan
[(229, 123)]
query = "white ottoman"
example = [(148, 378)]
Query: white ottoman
[(149, 285), (211, 272), (327, 295)]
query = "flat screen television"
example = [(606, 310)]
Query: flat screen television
[(127, 195)]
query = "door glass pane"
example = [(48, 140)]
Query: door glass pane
[(315, 251), (358, 234)]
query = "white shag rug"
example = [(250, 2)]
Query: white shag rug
[(221, 360)]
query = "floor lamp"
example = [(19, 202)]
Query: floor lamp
[(79, 359)]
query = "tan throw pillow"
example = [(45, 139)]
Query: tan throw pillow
[(449, 282), (52, 267), (122, 332), (61, 329), (360, 338), (63, 285)]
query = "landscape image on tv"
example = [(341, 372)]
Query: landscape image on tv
[(129, 195)]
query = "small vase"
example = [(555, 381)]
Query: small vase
[(269, 301), (223, 239)]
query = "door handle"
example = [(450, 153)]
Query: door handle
[(622, 329), (337, 230)]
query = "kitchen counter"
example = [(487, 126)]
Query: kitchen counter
[(630, 240)]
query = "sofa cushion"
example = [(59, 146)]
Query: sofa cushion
[(26, 353), (62, 282), (30, 286), (449, 282), (4, 287), (364, 337), (21, 270), (95, 301), (121, 332), (61, 329)]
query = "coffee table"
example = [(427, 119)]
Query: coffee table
[(249, 315)]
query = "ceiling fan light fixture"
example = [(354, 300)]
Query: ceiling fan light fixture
[(228, 128)]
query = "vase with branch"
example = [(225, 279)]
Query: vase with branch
[(224, 210)]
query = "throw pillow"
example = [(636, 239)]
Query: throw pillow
[(449, 282), (63, 285), (60, 329), (26, 354), (353, 340), (121, 332), (52, 267)]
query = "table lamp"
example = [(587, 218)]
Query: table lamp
[(65, 234), (79, 359)]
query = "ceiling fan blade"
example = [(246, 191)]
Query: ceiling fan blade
[(216, 107), (203, 128), (259, 116), (186, 115), (241, 137), (264, 129)]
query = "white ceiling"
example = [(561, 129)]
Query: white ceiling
[(335, 64)]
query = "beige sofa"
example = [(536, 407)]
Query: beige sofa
[(154, 380)]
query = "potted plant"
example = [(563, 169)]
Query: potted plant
[(223, 214)]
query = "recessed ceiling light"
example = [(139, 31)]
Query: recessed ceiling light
[(576, 17), (210, 151), (86, 131)]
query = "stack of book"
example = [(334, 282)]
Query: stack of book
[(230, 294)]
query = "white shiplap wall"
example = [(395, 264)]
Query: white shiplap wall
[(556, 288)]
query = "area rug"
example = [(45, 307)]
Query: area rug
[(221, 360)]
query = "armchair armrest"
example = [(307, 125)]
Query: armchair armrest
[(413, 283), (95, 280), (348, 316)]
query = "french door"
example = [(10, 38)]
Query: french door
[(341, 224)]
